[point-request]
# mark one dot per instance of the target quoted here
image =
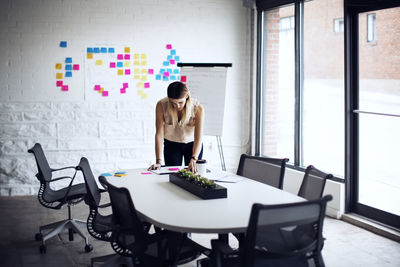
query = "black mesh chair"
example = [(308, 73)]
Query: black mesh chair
[(278, 235), (266, 170), (55, 199), (313, 184)]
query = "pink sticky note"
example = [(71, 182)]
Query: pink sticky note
[(125, 85), (120, 56), (146, 172), (166, 74), (104, 93), (112, 64), (97, 87), (172, 61), (123, 90), (59, 83), (183, 78), (64, 88), (75, 67), (127, 72), (169, 46), (173, 169), (146, 85), (151, 71), (127, 56)]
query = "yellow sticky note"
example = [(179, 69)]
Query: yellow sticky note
[(120, 174), (127, 49), (144, 96), (59, 75), (139, 92), (139, 85), (136, 56), (120, 72), (144, 78), (59, 66), (136, 71), (101, 90), (136, 62), (143, 63), (136, 77), (144, 71), (127, 64), (89, 55), (143, 56), (99, 62)]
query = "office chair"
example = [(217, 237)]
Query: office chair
[(269, 171), (278, 235), (313, 184), (55, 199)]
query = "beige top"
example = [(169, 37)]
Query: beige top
[(179, 133)]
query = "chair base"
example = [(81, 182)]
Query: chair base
[(112, 260)]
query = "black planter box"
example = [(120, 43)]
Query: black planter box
[(204, 193)]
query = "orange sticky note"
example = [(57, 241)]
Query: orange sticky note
[(59, 76), (120, 72), (127, 49), (89, 55), (59, 66)]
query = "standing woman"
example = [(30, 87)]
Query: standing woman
[(179, 123)]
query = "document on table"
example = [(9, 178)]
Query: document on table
[(167, 170), (222, 177)]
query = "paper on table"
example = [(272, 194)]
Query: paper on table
[(220, 176), (167, 170)]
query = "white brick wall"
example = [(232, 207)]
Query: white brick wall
[(111, 134)]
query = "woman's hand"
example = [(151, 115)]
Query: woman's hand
[(155, 166), (192, 166)]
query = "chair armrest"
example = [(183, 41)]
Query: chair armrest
[(102, 190), (105, 205), (64, 168), (60, 178), (221, 247)]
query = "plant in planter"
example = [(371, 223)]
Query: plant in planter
[(196, 178)]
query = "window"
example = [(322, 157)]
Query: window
[(371, 28), (286, 24), (338, 25)]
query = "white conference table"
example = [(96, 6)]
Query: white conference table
[(168, 206)]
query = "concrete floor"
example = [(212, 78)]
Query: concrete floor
[(20, 217)]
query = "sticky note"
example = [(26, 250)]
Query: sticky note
[(120, 72), (59, 76), (151, 71), (145, 172), (183, 78), (176, 71), (162, 71), (58, 66), (169, 57), (144, 96), (168, 46), (127, 64), (146, 85), (75, 67), (143, 63), (59, 83), (172, 77), (165, 79), (63, 44), (101, 90), (139, 85), (144, 71), (68, 60), (103, 50), (176, 58), (64, 88), (136, 63), (97, 87), (136, 56), (122, 90), (172, 61), (140, 92), (68, 74), (173, 52), (144, 78), (125, 85), (120, 64), (105, 174), (121, 172), (158, 77), (136, 77), (111, 50), (104, 93), (173, 169), (68, 67), (96, 50), (112, 64), (120, 56), (127, 72), (136, 71), (169, 70), (165, 63), (143, 56), (127, 56), (127, 49), (166, 74), (99, 62), (89, 50), (89, 55)]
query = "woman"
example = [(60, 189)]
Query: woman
[(179, 123)]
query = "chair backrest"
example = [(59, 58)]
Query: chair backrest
[(93, 197), (313, 184), (270, 171), (125, 216), (44, 171), (284, 231)]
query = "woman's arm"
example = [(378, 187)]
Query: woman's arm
[(198, 136), (159, 136)]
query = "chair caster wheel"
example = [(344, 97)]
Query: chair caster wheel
[(38, 237), (42, 249), (88, 248)]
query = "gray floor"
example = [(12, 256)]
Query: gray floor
[(20, 217)]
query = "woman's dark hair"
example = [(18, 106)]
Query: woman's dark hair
[(177, 90)]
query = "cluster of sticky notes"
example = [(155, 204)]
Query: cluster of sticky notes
[(142, 94), (124, 87), (98, 50), (68, 68), (171, 73), (123, 62), (98, 88), (168, 74)]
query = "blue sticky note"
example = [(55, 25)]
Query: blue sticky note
[(63, 44), (68, 67), (162, 71), (172, 78), (173, 52), (166, 63), (120, 64), (169, 70), (120, 172), (166, 79), (96, 50), (169, 57), (176, 58), (89, 50), (68, 60), (105, 174), (103, 50), (68, 74), (158, 76), (111, 50), (176, 71)]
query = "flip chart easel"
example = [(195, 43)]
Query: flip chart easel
[(207, 82)]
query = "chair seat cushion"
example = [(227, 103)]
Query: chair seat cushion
[(77, 191)]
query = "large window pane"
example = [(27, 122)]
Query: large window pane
[(278, 83), (323, 87)]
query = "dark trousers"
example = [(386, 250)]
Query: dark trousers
[(173, 153)]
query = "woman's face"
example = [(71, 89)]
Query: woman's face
[(178, 104)]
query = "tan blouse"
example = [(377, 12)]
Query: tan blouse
[(179, 133)]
